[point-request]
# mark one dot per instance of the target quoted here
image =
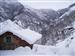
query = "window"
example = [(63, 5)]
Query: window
[(8, 40)]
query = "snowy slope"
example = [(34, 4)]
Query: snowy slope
[(68, 12)]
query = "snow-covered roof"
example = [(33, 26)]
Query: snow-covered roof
[(25, 34)]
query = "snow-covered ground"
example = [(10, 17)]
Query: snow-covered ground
[(64, 48)]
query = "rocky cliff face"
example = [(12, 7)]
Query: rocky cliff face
[(53, 25)]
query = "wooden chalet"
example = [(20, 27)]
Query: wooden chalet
[(13, 36)]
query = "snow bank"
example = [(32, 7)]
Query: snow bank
[(65, 48)]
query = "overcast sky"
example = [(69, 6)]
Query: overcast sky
[(47, 4)]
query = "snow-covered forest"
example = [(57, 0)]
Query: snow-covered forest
[(56, 26)]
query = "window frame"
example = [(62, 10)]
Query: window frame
[(5, 39)]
